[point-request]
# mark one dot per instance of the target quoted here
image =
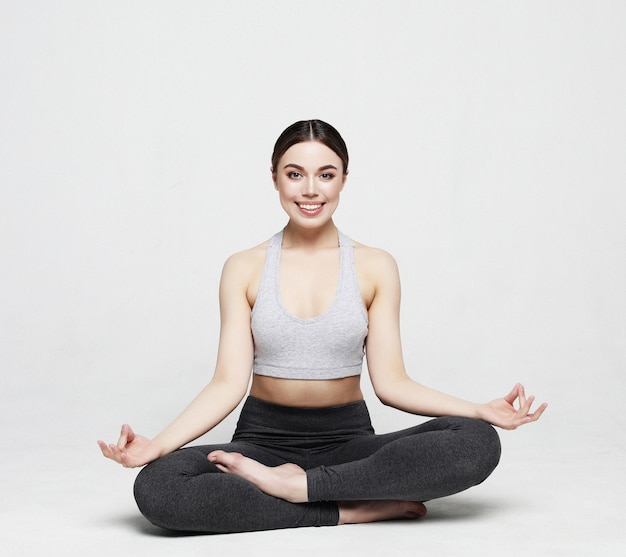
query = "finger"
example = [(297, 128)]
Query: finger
[(116, 453), (104, 449), (519, 421), (521, 393), (130, 434), (528, 403), (537, 413), (125, 460), (123, 440), (524, 409), (532, 417)]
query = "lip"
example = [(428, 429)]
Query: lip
[(310, 212)]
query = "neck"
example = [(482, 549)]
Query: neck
[(311, 238)]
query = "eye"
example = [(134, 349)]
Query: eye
[(327, 176), (294, 175)]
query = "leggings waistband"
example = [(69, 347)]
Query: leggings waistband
[(260, 419)]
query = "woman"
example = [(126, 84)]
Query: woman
[(298, 313)]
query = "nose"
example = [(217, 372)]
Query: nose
[(309, 187)]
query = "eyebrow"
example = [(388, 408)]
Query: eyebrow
[(301, 168)]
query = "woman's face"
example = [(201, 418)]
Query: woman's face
[(309, 178)]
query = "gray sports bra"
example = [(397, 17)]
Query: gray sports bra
[(330, 346)]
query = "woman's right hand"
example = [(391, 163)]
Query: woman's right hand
[(131, 450)]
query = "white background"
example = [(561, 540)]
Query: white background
[(487, 143)]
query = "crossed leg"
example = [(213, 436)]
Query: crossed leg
[(289, 482), (391, 476), (239, 486)]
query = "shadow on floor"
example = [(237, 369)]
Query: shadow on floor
[(454, 509), (438, 511)]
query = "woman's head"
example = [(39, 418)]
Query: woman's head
[(310, 130)]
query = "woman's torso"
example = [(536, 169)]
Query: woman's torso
[(308, 281)]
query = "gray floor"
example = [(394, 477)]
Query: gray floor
[(553, 494)]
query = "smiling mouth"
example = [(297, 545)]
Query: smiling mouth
[(310, 206)]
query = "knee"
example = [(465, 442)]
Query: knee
[(479, 446), (159, 487), (151, 495), (487, 447), (164, 490), (142, 489)]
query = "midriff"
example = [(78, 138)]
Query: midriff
[(307, 393)]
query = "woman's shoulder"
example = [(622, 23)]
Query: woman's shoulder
[(248, 259), (242, 271), (372, 257), (376, 269)]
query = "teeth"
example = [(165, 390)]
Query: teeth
[(310, 207)]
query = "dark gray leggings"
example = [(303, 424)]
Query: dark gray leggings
[(344, 460)]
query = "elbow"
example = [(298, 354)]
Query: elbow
[(385, 395), (231, 391), (387, 402), (239, 391), (394, 392)]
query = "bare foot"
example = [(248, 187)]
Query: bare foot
[(357, 512), (287, 481)]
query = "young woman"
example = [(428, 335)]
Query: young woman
[(298, 313)]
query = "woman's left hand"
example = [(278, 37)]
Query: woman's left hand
[(502, 412)]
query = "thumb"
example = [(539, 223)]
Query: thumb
[(130, 434), (126, 436)]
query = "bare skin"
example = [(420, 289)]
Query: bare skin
[(289, 482), (307, 394), (358, 512)]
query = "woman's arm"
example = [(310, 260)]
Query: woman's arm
[(388, 375), (226, 389)]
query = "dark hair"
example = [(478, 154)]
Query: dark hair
[(310, 130)]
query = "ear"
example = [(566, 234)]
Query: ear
[(274, 178), (343, 179)]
